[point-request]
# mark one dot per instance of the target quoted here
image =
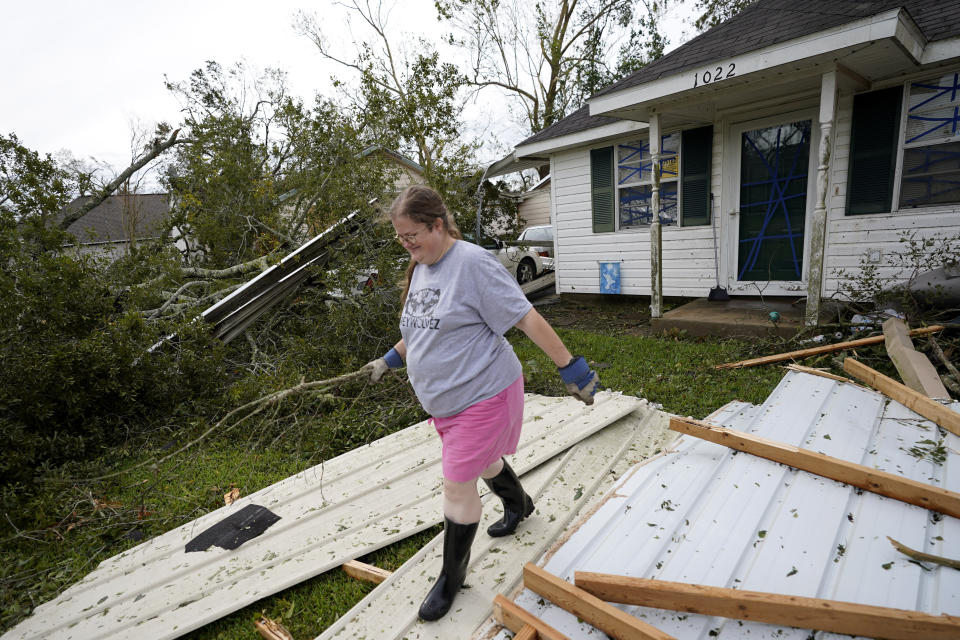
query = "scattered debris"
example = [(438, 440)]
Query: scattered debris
[(814, 351), (914, 367), (818, 372), (771, 608), (271, 629), (952, 379), (586, 606), (230, 496), (880, 482), (519, 620), (364, 571), (911, 399)]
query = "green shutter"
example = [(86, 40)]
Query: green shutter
[(602, 189), (873, 151), (696, 153)]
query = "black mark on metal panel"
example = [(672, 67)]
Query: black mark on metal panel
[(233, 531)]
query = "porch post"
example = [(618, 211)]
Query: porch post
[(818, 224), (656, 233)]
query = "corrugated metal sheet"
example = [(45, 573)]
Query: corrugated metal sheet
[(559, 487), (237, 311), (331, 513), (704, 514)]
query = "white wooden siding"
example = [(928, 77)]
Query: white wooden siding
[(535, 209), (688, 258), (851, 239)]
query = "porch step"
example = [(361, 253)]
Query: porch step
[(736, 317)]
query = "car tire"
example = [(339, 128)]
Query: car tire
[(526, 271)]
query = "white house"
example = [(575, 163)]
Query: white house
[(802, 134), (534, 206)]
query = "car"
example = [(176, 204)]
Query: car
[(524, 264), (539, 232)]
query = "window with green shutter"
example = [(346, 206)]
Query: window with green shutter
[(873, 151), (602, 189), (696, 152)]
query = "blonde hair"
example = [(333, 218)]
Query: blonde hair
[(422, 204)]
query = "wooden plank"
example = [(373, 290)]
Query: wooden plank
[(771, 608), (909, 398), (363, 571), (914, 368), (814, 351), (589, 608), (527, 633), (818, 372), (516, 618), (874, 480)]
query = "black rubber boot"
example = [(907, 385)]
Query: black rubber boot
[(517, 505), (457, 540)]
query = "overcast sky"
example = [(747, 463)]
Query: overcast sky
[(76, 73)]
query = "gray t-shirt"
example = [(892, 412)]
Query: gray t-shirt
[(453, 323)]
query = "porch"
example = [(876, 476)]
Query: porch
[(740, 316)]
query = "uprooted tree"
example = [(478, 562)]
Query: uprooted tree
[(251, 181), (410, 100)]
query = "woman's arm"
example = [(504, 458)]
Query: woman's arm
[(539, 330), (393, 359), (401, 348), (581, 381)]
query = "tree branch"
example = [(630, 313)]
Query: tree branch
[(155, 150), (254, 407), (171, 299)]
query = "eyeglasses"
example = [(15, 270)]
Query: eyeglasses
[(409, 238)]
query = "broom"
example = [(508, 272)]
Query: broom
[(718, 293)]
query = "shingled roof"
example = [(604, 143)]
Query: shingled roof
[(760, 25), (105, 223)]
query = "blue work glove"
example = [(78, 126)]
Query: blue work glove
[(377, 368), (581, 381)]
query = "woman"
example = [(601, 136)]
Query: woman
[(458, 301)]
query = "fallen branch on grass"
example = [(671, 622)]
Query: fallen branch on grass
[(814, 351), (241, 414), (952, 379)]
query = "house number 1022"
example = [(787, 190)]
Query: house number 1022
[(714, 74)]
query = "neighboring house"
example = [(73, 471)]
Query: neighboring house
[(117, 222), (804, 134), (410, 171), (534, 206)]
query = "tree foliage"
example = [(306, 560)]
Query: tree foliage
[(407, 101), (550, 56), (713, 12)]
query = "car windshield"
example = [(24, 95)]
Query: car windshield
[(485, 241), (538, 233)]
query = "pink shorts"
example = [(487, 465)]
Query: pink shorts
[(480, 434)]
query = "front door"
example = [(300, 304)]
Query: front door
[(774, 179)]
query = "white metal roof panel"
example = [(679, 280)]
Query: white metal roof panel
[(559, 488), (705, 514), (331, 513)]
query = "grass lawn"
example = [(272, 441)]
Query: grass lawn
[(78, 526)]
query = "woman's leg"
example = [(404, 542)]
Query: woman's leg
[(461, 502), (461, 510), (517, 505), (493, 470)]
